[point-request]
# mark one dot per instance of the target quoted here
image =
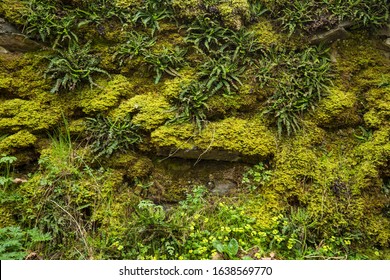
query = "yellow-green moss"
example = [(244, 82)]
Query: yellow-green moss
[(172, 87), (21, 139), (188, 9), (132, 164), (13, 10), (107, 95), (148, 110), (378, 100), (16, 114), (337, 109), (234, 12), (265, 33), (247, 137), (245, 100)]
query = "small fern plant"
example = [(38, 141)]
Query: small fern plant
[(72, 67)]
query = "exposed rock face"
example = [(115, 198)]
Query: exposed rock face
[(330, 36), (12, 40)]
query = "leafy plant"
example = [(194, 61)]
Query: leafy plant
[(313, 15), (6, 170), (136, 45), (151, 13), (191, 105), (230, 249), (257, 176), (44, 21), (207, 34), (223, 74), (297, 81), (166, 61), (72, 67), (107, 136), (15, 242)]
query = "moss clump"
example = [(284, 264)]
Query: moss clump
[(172, 87), (246, 137), (131, 164), (107, 95), (265, 33), (21, 139), (13, 10), (148, 110), (234, 13), (16, 114), (337, 109), (188, 9), (219, 105)]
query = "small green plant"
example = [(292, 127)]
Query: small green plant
[(6, 170), (166, 61), (151, 13), (364, 135), (15, 242), (107, 136), (207, 34), (223, 74), (257, 176), (136, 45), (229, 250), (46, 22), (297, 80), (191, 105), (72, 67)]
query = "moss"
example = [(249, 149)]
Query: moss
[(234, 13), (77, 127), (378, 100), (127, 3), (21, 139), (16, 114), (13, 11), (149, 110), (246, 137), (356, 54), (337, 109), (188, 9), (172, 87), (245, 100), (131, 164), (265, 33), (107, 95)]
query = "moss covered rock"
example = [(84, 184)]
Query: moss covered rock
[(230, 139)]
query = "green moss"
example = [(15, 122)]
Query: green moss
[(149, 110), (245, 100), (186, 9), (246, 137), (234, 13), (21, 139), (172, 87), (131, 164), (13, 10), (265, 33), (337, 109), (356, 54), (16, 114), (107, 95)]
